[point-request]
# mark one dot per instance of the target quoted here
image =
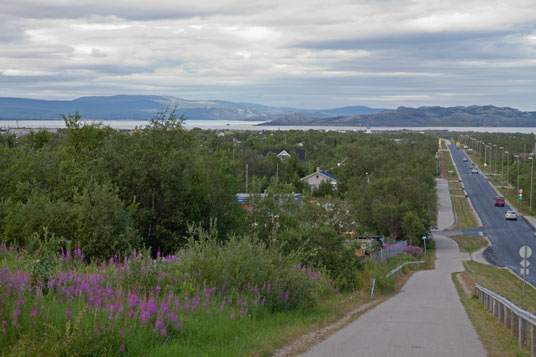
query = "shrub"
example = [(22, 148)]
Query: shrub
[(254, 267)]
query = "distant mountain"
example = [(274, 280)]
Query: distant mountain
[(487, 115), (144, 107)]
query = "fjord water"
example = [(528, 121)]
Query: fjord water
[(253, 125)]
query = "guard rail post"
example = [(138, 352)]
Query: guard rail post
[(508, 320), (532, 340), (522, 332)]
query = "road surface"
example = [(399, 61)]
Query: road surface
[(507, 237)]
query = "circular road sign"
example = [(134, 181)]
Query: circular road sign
[(520, 191), (522, 251)]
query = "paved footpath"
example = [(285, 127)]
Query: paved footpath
[(426, 318)]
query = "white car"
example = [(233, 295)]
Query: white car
[(510, 215), (474, 170)]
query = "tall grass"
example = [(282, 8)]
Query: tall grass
[(135, 304)]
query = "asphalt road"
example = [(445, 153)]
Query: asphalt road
[(507, 237)]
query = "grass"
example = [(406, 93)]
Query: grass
[(469, 244), (207, 331), (497, 340)]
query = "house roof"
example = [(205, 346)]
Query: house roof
[(323, 173), (300, 153)]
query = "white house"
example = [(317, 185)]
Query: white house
[(314, 179)]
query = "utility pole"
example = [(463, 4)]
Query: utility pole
[(277, 174), (246, 178)]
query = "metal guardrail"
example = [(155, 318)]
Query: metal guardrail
[(401, 266), (513, 317)]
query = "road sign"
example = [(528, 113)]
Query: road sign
[(524, 249), (520, 191), (525, 253), (424, 237)]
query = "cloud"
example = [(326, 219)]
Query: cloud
[(299, 53)]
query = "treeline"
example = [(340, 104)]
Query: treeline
[(107, 191)]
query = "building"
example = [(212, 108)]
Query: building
[(314, 179), (286, 153)]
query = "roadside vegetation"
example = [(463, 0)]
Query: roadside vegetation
[(134, 243), (497, 340)]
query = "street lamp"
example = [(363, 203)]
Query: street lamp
[(517, 158), (507, 171), (531, 171), (502, 165), (490, 162), (495, 146), (485, 154)]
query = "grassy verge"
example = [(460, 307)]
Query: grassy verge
[(497, 340), (469, 244)]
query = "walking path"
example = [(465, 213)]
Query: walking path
[(426, 318)]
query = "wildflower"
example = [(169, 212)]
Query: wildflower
[(122, 348), (163, 332), (178, 325), (232, 314), (158, 324), (33, 313)]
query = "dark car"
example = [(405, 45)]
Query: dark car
[(464, 159), (499, 201)]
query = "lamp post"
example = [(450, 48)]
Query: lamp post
[(517, 158), (485, 155), (507, 172), (531, 171), (490, 162), (495, 146), (502, 165)]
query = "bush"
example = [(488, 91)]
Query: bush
[(254, 267)]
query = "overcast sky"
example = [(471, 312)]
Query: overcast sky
[(299, 53)]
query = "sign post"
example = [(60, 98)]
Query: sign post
[(424, 241), (520, 192), (525, 253)]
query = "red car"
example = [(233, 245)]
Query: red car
[(499, 201)]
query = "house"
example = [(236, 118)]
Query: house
[(286, 153), (314, 179)]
